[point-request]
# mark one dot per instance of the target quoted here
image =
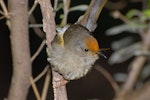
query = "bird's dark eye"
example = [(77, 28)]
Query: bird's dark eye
[(86, 50)]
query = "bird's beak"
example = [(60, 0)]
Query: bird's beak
[(102, 54)]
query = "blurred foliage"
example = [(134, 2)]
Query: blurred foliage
[(79, 8), (127, 48)]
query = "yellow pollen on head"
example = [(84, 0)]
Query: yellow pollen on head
[(92, 44)]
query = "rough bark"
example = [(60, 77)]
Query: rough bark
[(20, 49), (49, 28)]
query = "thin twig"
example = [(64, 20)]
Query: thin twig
[(33, 21), (33, 7), (1, 12), (66, 10), (38, 50), (4, 9), (117, 14), (2, 17), (46, 85), (37, 30), (5, 13), (55, 6), (33, 81), (35, 90), (41, 74), (8, 24), (112, 82)]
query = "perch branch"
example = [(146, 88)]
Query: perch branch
[(49, 28), (49, 25), (59, 93)]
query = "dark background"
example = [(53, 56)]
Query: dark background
[(94, 85)]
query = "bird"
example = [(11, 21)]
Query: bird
[(74, 54), (74, 51)]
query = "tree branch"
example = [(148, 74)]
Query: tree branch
[(49, 28), (59, 93), (142, 93), (20, 50), (91, 15), (49, 25)]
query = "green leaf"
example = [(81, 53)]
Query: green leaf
[(61, 16), (122, 28), (147, 13), (124, 53), (122, 43), (132, 13)]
